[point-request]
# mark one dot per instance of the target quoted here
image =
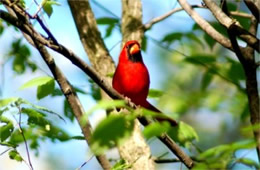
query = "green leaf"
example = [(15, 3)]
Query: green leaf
[(245, 113), (47, 6), (201, 59), (36, 82), (156, 129), (45, 89), (206, 80), (7, 101), (95, 89), (195, 38), (235, 71), (5, 130), (1, 27), (172, 37), (54, 132), (210, 41), (106, 104), (67, 110), (154, 93), (23, 101), (248, 162), (109, 30), (13, 154), (183, 134), (35, 117), (111, 132), (121, 165), (144, 43), (107, 21)]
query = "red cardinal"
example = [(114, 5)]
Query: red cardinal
[(131, 78)]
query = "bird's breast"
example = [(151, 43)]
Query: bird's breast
[(132, 80)]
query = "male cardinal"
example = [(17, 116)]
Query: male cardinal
[(131, 78)]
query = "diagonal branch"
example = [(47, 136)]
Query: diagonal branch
[(254, 7), (228, 22), (92, 74), (205, 25), (64, 84)]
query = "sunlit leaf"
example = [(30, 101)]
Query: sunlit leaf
[(7, 101), (249, 162), (13, 154), (111, 132), (156, 129), (106, 104), (45, 89), (121, 165), (183, 134), (38, 81), (47, 6)]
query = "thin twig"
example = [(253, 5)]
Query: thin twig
[(241, 14), (81, 166), (165, 16), (161, 161), (24, 139)]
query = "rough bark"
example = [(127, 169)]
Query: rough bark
[(102, 62)]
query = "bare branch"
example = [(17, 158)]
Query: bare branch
[(24, 139), (205, 25), (241, 14), (228, 22), (165, 16)]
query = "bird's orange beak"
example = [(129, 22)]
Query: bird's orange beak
[(134, 49)]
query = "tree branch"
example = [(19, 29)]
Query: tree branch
[(131, 26), (246, 58), (254, 7), (64, 84), (135, 151), (228, 22), (91, 38), (205, 25), (165, 16), (91, 73)]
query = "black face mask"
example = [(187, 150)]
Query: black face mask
[(137, 57)]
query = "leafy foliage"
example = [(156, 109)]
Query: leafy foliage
[(47, 6), (38, 127), (110, 22), (111, 132), (222, 156), (21, 57), (45, 86)]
